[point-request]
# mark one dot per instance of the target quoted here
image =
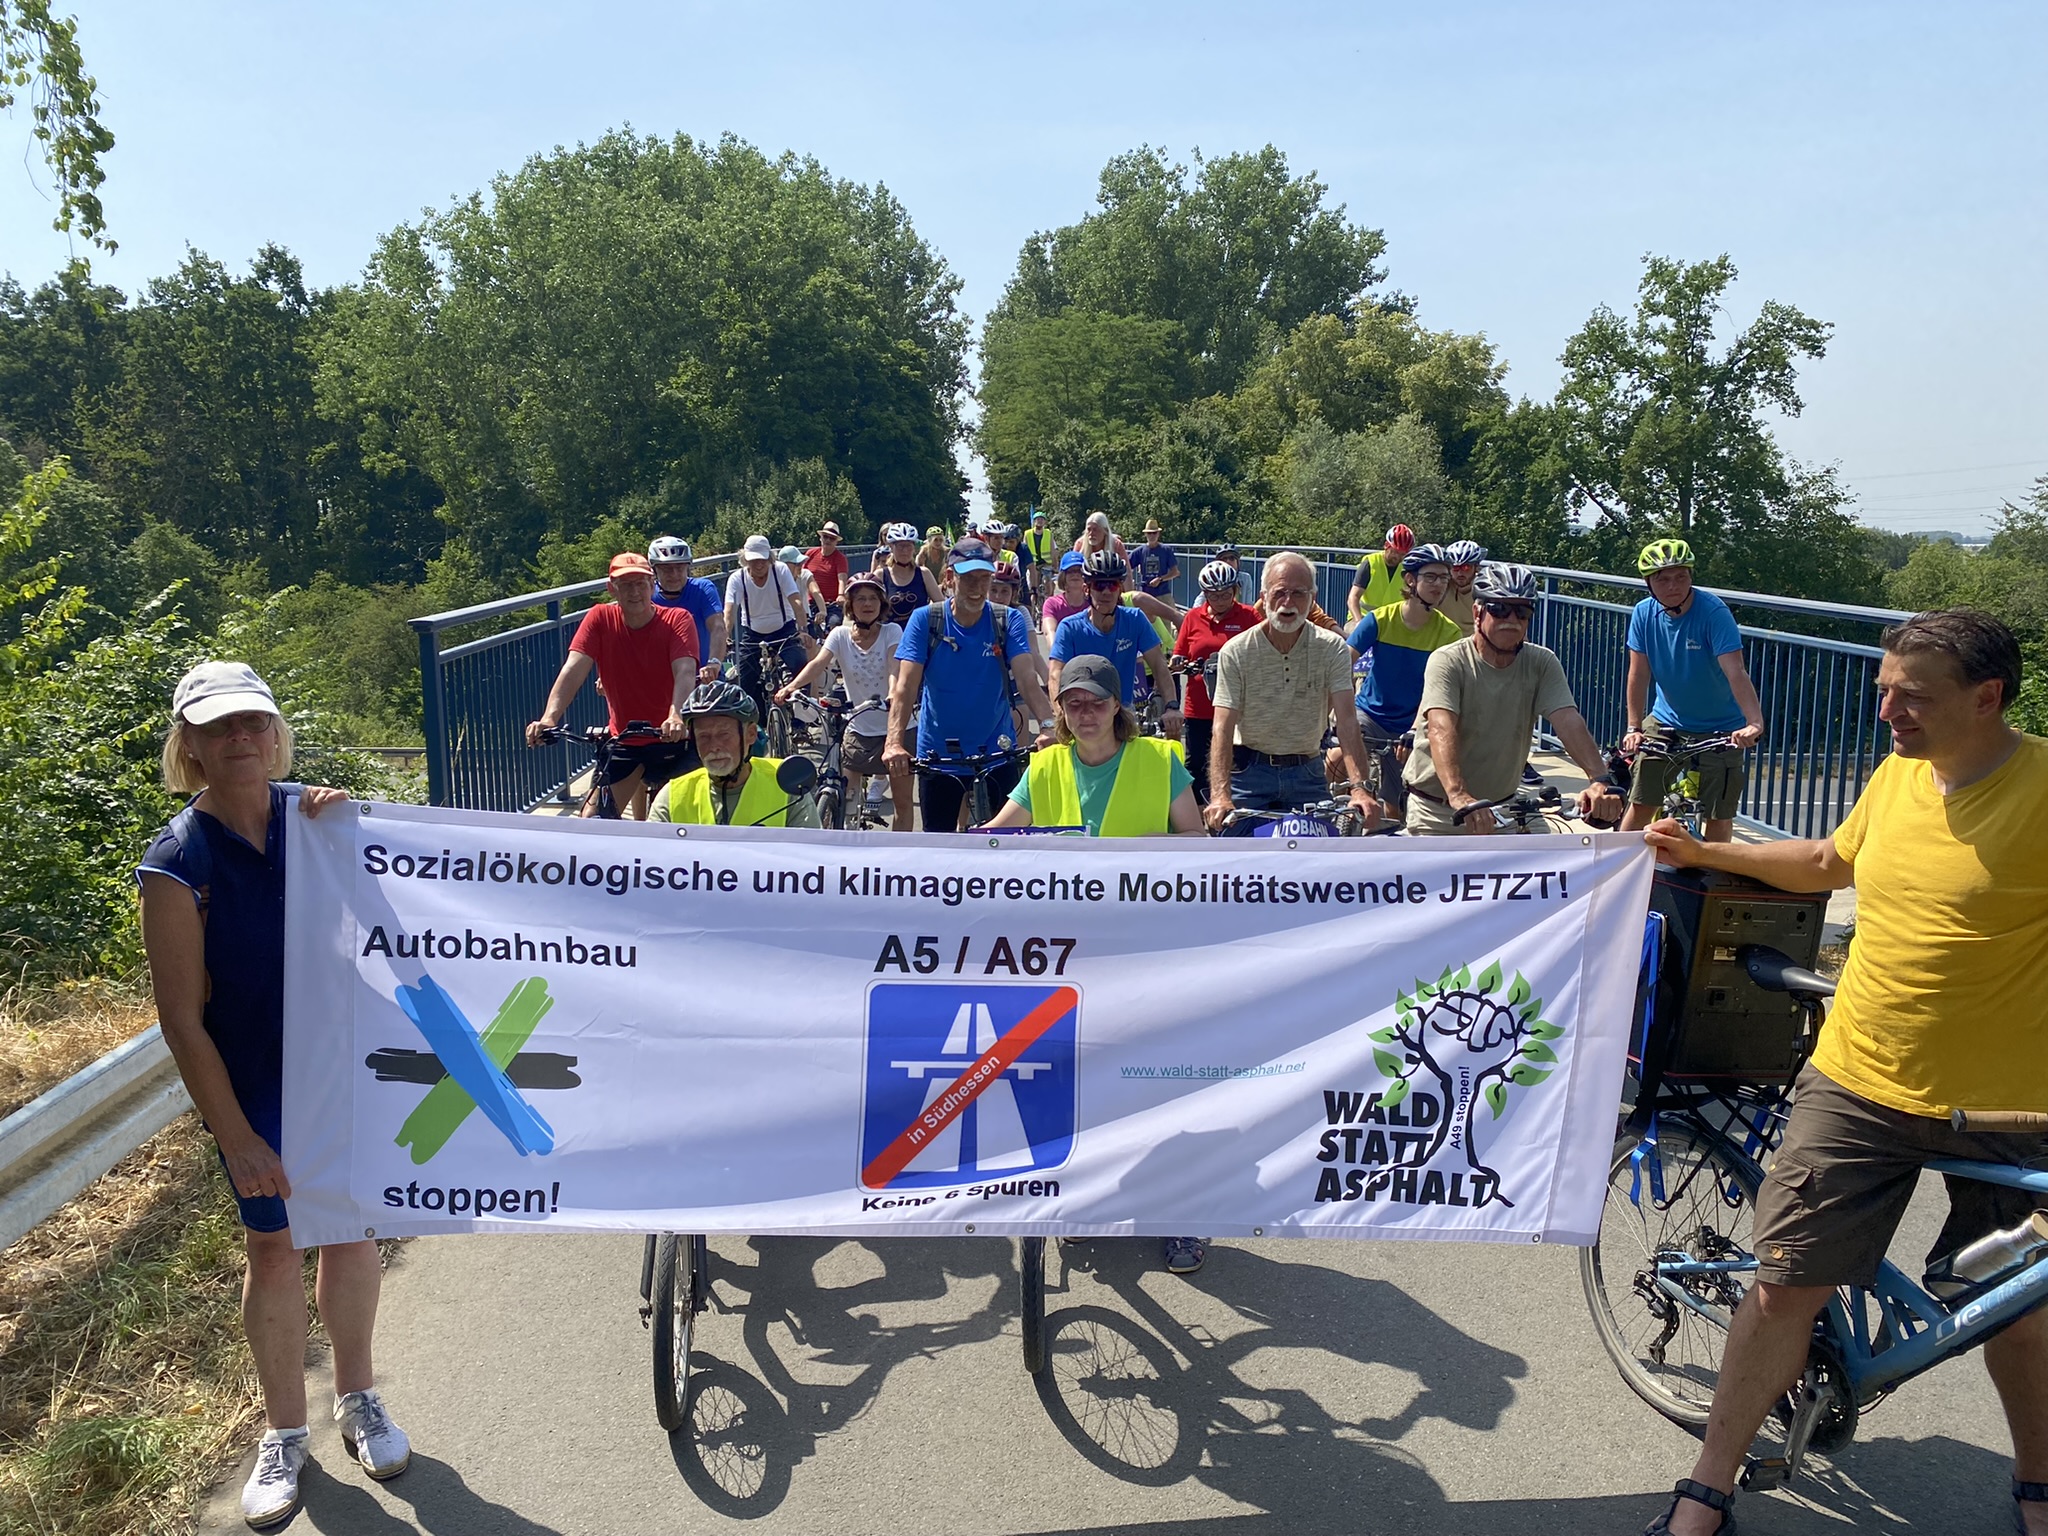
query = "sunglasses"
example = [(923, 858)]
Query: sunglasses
[(253, 721), (1522, 611), (1106, 584)]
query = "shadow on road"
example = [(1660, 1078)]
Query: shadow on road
[(442, 1504), (750, 1427)]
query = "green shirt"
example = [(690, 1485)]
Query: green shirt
[(1094, 784)]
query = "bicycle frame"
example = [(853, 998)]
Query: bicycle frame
[(1914, 1331)]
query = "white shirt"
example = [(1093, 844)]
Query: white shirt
[(767, 607), (866, 673)]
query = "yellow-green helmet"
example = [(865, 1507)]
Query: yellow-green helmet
[(1662, 554)]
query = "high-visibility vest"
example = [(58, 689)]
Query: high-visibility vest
[(1039, 542), (689, 798), (1139, 800)]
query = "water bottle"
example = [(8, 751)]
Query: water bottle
[(1991, 1259)]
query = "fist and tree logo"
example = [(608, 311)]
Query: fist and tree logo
[(1456, 1024)]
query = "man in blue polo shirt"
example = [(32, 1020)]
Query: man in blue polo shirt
[(1109, 629), (1685, 643), (954, 669), (675, 587)]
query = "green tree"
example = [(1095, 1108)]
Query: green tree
[(1237, 257), (39, 54), (1347, 488), (1664, 432), (642, 322)]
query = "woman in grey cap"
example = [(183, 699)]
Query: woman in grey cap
[(213, 928)]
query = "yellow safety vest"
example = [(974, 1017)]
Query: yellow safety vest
[(689, 798), (1039, 542), (1139, 800)]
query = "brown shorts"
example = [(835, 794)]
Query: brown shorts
[(1845, 1173)]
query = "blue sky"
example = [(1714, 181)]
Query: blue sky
[(1884, 167)]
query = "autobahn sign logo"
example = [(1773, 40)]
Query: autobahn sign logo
[(964, 1082)]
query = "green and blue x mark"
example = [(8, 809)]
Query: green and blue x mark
[(466, 1071)]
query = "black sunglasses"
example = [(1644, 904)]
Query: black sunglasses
[(1510, 610)]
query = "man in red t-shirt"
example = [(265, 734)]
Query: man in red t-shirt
[(1212, 621), (646, 661), (828, 569)]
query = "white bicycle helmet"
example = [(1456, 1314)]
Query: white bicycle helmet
[(1502, 582), (899, 533), (668, 550), (1466, 552), (1217, 576)]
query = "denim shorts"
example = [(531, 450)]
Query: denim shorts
[(259, 1213)]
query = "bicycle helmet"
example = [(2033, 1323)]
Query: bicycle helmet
[(1422, 555), (669, 550), (1501, 582), (1217, 576), (728, 699), (1662, 554), (1105, 563), (870, 581), (1007, 568), (791, 555), (1465, 552), (899, 533), (1400, 539)]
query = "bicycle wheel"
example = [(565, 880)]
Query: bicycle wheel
[(1669, 1352), (828, 810), (676, 1294), (778, 730), (1031, 1300)]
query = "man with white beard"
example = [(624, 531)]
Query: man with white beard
[(1278, 687)]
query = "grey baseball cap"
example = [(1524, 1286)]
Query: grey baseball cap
[(1094, 675)]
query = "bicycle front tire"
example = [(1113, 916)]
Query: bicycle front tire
[(778, 731), (1669, 1353), (676, 1295), (1031, 1301), (828, 810)]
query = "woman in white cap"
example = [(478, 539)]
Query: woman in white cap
[(213, 928)]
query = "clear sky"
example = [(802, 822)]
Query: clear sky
[(1882, 166)]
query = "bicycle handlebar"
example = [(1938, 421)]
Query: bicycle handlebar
[(1662, 747), (598, 735)]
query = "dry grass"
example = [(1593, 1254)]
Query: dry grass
[(125, 1385)]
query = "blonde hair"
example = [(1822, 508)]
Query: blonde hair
[(184, 776), (1126, 724)]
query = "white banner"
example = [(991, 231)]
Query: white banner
[(507, 1023)]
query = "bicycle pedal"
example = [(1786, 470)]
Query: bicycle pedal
[(1760, 1474)]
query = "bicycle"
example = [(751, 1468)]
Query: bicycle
[(981, 766), (1667, 1272), (1682, 800), (1521, 811), (673, 1292), (778, 726), (842, 799), (598, 800), (1319, 818)]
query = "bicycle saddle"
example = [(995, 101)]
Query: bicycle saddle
[(1774, 971)]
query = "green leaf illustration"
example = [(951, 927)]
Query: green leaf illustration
[(1489, 979), (1536, 1050), (1543, 1030), (1497, 1096), (1386, 1063), (1518, 994), (1533, 1010), (1395, 1094), (1382, 1036), (1525, 1075), (1463, 980)]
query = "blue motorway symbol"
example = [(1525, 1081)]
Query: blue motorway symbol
[(931, 1118)]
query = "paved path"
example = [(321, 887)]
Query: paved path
[(877, 1387)]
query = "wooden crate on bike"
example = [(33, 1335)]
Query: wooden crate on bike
[(1700, 1016)]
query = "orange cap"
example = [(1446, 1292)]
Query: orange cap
[(630, 564)]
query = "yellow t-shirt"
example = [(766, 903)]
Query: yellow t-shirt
[(1941, 1004)]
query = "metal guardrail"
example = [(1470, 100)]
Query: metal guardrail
[(53, 1147), (1822, 741)]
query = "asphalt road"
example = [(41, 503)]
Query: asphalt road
[(878, 1387)]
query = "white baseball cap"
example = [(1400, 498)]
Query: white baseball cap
[(758, 548), (216, 688)]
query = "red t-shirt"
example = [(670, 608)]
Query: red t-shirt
[(1201, 636), (827, 571), (635, 664)]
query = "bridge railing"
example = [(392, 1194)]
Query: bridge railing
[(1822, 735)]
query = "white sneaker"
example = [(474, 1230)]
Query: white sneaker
[(878, 791), (272, 1493), (369, 1434)]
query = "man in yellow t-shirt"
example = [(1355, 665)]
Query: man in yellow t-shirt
[(1939, 1008)]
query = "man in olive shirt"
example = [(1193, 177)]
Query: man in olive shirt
[(1277, 687), (1480, 701)]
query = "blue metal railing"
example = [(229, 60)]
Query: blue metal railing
[(1822, 735)]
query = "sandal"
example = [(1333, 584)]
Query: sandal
[(1713, 1498), (2026, 1493)]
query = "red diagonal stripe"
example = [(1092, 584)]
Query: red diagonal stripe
[(969, 1086)]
